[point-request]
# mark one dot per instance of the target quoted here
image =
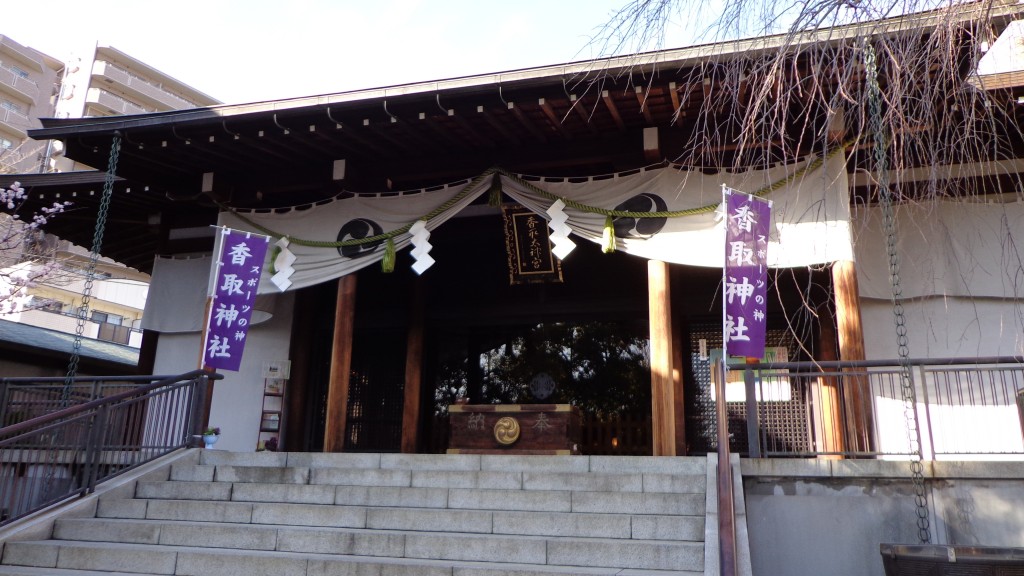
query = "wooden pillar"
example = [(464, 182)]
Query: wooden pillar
[(341, 365), (856, 390), (413, 373), (147, 351), (678, 385), (305, 308), (829, 420), (663, 433)]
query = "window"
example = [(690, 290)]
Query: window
[(7, 104), (106, 318), (19, 71), (6, 144)]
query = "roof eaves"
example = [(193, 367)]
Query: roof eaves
[(611, 66)]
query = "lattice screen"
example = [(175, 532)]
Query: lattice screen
[(784, 423)]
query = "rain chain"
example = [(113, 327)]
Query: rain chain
[(874, 94)]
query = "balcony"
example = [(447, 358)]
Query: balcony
[(111, 103), (68, 323), (147, 91), (24, 56), (15, 122), (22, 87)]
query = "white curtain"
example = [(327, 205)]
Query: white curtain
[(944, 248), (810, 218)]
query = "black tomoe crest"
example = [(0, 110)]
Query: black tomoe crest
[(355, 230), (629, 227)]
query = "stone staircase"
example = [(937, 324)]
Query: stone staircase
[(216, 513)]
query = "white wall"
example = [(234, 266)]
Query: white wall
[(238, 398)]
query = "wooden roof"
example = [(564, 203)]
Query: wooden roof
[(585, 118)]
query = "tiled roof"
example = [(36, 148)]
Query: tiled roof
[(24, 335)]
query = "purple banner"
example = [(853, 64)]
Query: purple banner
[(234, 280), (748, 222)]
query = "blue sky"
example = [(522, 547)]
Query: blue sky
[(254, 50)]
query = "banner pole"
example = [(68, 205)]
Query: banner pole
[(210, 291), (725, 330)]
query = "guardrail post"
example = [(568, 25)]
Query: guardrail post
[(6, 402), (753, 418), (726, 505), (1020, 409), (199, 393), (917, 416), (923, 373), (93, 449)]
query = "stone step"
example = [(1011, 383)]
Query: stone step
[(675, 465), (526, 549), (159, 559), (588, 525), (287, 514), (353, 569), (31, 571), (591, 481), (691, 504)]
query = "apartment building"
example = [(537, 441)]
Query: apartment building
[(107, 82), (99, 81), (117, 297), (29, 81)]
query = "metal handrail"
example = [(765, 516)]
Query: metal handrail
[(68, 451), (45, 394), (847, 406), (840, 364)]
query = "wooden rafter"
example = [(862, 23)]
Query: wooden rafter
[(581, 110), (494, 123), (545, 106), (673, 93), (641, 98), (612, 109), (518, 113)]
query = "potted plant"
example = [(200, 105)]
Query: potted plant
[(211, 435)]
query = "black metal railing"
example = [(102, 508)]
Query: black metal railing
[(26, 398), (108, 427), (963, 407)]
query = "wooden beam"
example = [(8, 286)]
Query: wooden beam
[(612, 109), (856, 391), (526, 122), (351, 137), (641, 97), (545, 106), (581, 111), (663, 434), (432, 124), (473, 133), (341, 365), (391, 139), (673, 93), (413, 373), (505, 133)]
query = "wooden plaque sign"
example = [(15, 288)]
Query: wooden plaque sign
[(528, 246), (514, 429)]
